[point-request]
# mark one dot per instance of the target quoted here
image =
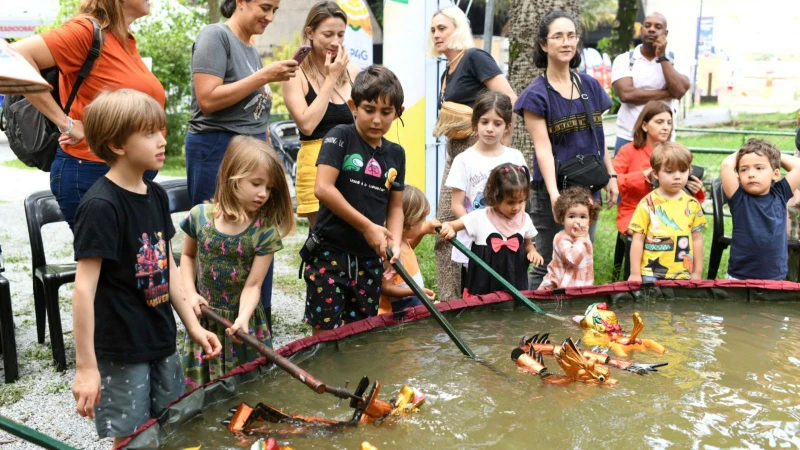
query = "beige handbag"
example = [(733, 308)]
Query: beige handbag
[(455, 121)]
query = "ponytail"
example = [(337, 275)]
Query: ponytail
[(227, 8)]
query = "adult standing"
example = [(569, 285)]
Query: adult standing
[(469, 71), (556, 119), (317, 100), (230, 96), (645, 73), (76, 168)]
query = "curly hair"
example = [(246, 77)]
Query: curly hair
[(760, 147), (506, 179), (573, 196)]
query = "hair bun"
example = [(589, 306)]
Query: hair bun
[(227, 8)]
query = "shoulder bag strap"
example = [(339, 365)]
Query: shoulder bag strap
[(94, 52), (587, 110)]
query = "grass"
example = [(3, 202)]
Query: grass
[(174, 165), (12, 393), (17, 164)]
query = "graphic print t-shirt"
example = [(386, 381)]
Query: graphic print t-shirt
[(366, 177), (131, 233), (668, 226)]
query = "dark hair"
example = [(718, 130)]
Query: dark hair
[(491, 100), (376, 82), (650, 110), (572, 196), (539, 55), (760, 147), (227, 7), (505, 179)]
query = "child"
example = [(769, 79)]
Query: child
[(127, 366), (668, 223), (360, 182), (396, 295), (572, 263), (491, 119), (502, 234), (237, 236), (632, 162), (758, 206)]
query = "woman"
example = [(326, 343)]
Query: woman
[(76, 168), (469, 71), (555, 117), (230, 96), (632, 163), (317, 100)]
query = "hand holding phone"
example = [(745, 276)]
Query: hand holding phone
[(301, 53)]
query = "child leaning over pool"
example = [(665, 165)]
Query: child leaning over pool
[(396, 295), (127, 367), (757, 199), (668, 223), (229, 247)]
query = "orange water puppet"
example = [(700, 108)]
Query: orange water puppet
[(576, 366), (601, 328)]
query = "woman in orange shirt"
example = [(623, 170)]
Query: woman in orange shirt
[(632, 162), (76, 168)]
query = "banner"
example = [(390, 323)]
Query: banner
[(358, 37)]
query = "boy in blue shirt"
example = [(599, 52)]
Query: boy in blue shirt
[(757, 199)]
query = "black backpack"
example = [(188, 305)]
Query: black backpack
[(31, 135)]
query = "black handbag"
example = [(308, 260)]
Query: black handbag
[(583, 170), (31, 135)]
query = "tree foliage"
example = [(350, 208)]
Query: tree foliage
[(624, 27), (597, 13)]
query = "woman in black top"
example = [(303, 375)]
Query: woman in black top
[(317, 100), (469, 71)]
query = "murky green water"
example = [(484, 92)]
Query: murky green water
[(733, 380)]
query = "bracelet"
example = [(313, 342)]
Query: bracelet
[(69, 127), (613, 175)]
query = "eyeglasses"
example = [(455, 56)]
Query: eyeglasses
[(571, 38)]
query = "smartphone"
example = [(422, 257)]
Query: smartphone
[(301, 53)]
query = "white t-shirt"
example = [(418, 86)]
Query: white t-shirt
[(647, 75), (479, 227), (469, 172)]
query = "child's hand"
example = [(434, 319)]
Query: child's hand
[(429, 293), (377, 237), (535, 258), (579, 230), (86, 390), (395, 247), (388, 270), (431, 226), (635, 277), (697, 276), (195, 300), (447, 231), (241, 323), (208, 340)]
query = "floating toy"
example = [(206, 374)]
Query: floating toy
[(602, 328)]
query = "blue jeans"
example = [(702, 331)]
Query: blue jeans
[(204, 152), (405, 302), (71, 178), (618, 145)]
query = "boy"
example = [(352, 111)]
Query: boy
[(127, 366), (668, 223), (758, 207), (360, 182)]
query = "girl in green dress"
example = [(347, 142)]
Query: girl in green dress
[(229, 247)]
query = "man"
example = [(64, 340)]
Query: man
[(643, 74)]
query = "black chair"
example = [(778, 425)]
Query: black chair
[(9, 342), (622, 258), (41, 209), (178, 193)]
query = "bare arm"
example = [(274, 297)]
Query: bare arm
[(792, 165), (86, 387), (36, 52), (429, 228), (677, 83), (627, 93), (697, 246), (189, 275), (499, 83), (457, 202), (393, 290), (612, 189), (394, 222), (637, 248), (727, 172), (537, 128), (213, 95), (251, 294)]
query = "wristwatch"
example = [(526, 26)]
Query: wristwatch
[(662, 59), (613, 175)]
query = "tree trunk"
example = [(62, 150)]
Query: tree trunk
[(623, 28), (525, 16), (213, 11)]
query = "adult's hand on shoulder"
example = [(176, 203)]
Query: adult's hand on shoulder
[(280, 70)]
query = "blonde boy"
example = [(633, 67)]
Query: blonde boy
[(668, 222), (127, 366)]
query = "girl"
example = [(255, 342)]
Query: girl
[(491, 119), (396, 295), (632, 163), (236, 236), (572, 263), (502, 234)]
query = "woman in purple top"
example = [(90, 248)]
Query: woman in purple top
[(556, 120)]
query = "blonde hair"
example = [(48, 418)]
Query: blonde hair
[(671, 155), (415, 207), (110, 16), (461, 39), (243, 155), (319, 13), (114, 116)]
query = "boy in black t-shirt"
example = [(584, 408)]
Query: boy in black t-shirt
[(127, 366), (360, 182)]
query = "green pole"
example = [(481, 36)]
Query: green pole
[(31, 435)]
